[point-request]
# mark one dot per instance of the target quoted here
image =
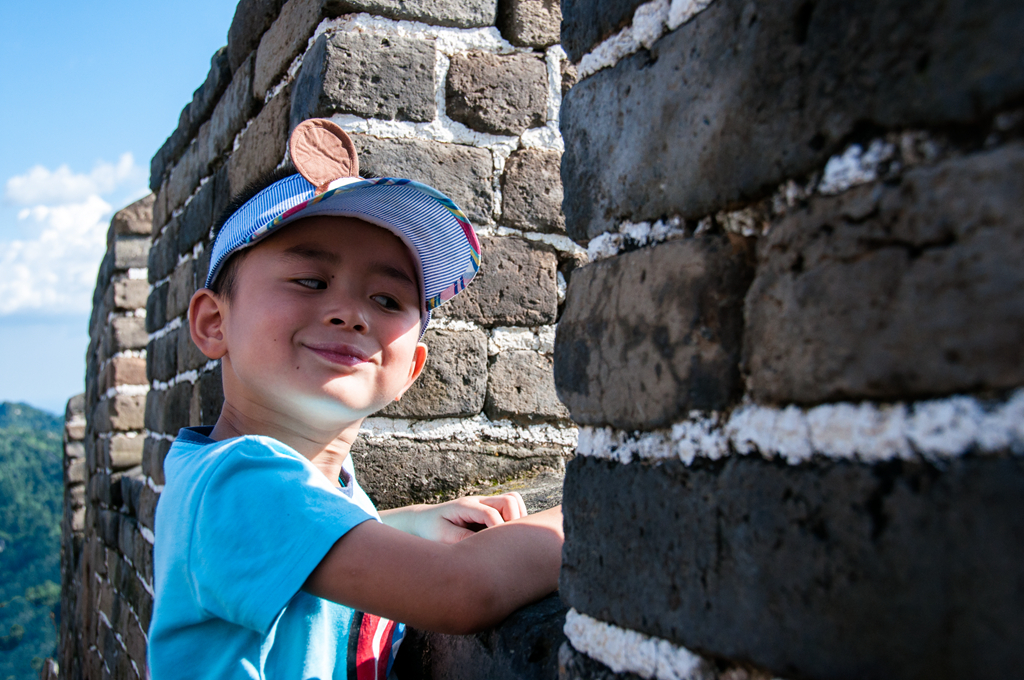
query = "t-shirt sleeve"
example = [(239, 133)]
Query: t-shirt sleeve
[(265, 521)]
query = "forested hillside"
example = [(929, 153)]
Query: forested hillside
[(30, 507)]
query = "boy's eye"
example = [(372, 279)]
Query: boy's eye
[(386, 301), (315, 284)]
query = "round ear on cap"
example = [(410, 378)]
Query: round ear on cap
[(322, 152)]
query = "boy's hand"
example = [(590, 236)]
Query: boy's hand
[(455, 520)]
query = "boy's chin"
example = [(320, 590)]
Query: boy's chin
[(329, 412)]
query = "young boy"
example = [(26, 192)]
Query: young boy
[(270, 561)]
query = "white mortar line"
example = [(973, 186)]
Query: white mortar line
[(938, 429), (475, 428), (650, 22), (173, 325), (627, 651)]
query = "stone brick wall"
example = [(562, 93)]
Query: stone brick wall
[(461, 94), (795, 357), (107, 546)]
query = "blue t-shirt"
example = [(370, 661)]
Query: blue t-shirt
[(240, 525)]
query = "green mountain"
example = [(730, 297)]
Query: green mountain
[(31, 493)]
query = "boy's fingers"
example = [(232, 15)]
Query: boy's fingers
[(510, 505)]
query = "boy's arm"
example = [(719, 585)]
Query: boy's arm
[(458, 588)]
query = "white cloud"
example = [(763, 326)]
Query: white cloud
[(62, 186), (54, 271)]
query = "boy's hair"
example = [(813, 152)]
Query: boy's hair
[(224, 284)]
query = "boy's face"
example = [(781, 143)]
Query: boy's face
[(323, 323)]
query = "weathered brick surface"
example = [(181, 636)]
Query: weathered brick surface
[(504, 94), (516, 286), (366, 75), (531, 191), (252, 19), (459, 13), (524, 647), (834, 569), (136, 219), (125, 332), (233, 109), (130, 252), (189, 356), (463, 173), (147, 511), (180, 289), (283, 41), (124, 370), (128, 294), (530, 23), (650, 335), (402, 471), (124, 452), (163, 255), (206, 95), (207, 398), (262, 146), (586, 23), (162, 358), (744, 97), (196, 219), (185, 175), (125, 412), (454, 380), (521, 386), (153, 453), (888, 292)]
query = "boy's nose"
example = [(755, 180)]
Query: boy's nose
[(355, 323)]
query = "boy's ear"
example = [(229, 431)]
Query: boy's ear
[(206, 323), (419, 360)]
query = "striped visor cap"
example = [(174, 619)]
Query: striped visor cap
[(445, 247)]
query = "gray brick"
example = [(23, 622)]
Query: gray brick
[(252, 19), (129, 294), (283, 41), (454, 380), (126, 412), (109, 526), (262, 146), (176, 408), (131, 252), (531, 191), (185, 175), (830, 569), (136, 219), (234, 108), (126, 332), (458, 13), (207, 398), (736, 101), (162, 358), (367, 75), (156, 308), (196, 219), (124, 370), (530, 23), (180, 289), (163, 256), (124, 452), (399, 472), (206, 95), (895, 291), (147, 511), (525, 645), (189, 356), (650, 335), (521, 386), (587, 22), (514, 287), (504, 94), (153, 453), (463, 173)]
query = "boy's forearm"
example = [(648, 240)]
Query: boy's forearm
[(458, 588)]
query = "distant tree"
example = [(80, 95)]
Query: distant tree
[(31, 494)]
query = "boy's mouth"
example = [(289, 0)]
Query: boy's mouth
[(343, 355)]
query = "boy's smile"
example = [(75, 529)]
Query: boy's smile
[(321, 328)]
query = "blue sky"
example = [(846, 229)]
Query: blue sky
[(91, 91)]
